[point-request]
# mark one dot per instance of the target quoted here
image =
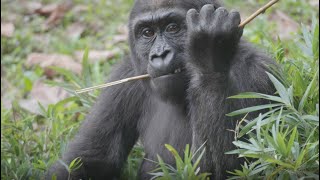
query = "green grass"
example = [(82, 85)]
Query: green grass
[(282, 144)]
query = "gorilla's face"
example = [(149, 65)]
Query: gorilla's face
[(157, 38), (158, 34), (159, 41)]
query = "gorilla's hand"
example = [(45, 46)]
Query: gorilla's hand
[(213, 36)]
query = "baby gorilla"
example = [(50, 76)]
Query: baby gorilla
[(194, 53)]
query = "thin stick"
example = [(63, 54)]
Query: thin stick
[(112, 83), (258, 12), (147, 76)]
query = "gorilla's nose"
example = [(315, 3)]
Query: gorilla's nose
[(161, 61)]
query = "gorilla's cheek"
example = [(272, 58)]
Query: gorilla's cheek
[(139, 66)]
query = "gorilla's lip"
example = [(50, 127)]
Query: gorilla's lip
[(175, 72)]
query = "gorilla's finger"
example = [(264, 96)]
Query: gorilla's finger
[(206, 12), (221, 12), (235, 17), (192, 17), (232, 22), (218, 16)]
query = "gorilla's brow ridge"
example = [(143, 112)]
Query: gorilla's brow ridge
[(157, 16)]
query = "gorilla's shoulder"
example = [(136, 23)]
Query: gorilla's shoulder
[(250, 56)]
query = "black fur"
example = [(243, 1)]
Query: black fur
[(185, 108)]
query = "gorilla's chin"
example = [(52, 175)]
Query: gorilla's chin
[(171, 87)]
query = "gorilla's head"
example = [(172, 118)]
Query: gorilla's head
[(158, 34)]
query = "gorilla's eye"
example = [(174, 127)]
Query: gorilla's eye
[(148, 32), (172, 28)]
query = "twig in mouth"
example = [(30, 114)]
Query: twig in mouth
[(112, 83)]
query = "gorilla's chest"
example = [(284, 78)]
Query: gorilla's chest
[(167, 124)]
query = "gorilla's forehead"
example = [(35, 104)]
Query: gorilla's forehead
[(157, 15), (166, 3), (161, 3), (142, 6)]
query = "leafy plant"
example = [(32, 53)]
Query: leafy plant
[(186, 168), (283, 143), (130, 171), (30, 143), (73, 166)]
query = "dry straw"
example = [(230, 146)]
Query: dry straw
[(146, 76)]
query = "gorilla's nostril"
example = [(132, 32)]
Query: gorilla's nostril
[(165, 53)]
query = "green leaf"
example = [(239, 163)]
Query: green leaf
[(274, 136), (27, 84), (281, 144), (311, 118), (179, 161), (258, 169), (246, 95), (280, 88), (53, 177), (245, 145), (306, 94), (40, 165), (300, 158), (291, 141), (187, 158), (258, 129), (248, 127), (197, 162), (253, 109), (315, 40), (275, 161), (75, 164), (236, 151), (253, 95), (163, 167)]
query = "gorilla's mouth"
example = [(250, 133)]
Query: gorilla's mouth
[(171, 85), (170, 73)]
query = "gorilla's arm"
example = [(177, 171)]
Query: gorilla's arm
[(108, 133), (220, 66)]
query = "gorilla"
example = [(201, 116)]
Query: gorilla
[(193, 51)]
